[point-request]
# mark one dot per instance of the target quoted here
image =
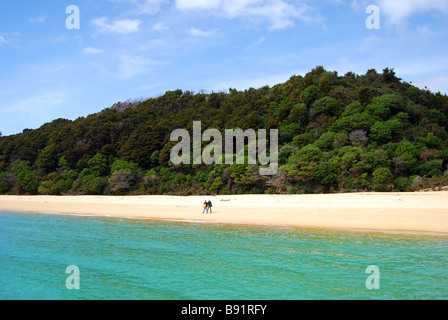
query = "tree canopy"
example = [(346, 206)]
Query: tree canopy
[(348, 133)]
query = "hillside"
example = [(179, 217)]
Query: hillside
[(348, 133)]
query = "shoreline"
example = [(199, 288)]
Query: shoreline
[(419, 212)]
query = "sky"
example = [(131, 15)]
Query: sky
[(57, 62)]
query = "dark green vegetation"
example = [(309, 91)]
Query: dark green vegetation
[(336, 133)]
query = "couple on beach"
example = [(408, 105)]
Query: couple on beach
[(207, 205)]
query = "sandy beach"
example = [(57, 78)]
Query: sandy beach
[(400, 212)]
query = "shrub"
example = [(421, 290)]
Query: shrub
[(382, 177)]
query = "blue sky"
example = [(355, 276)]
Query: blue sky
[(132, 49)]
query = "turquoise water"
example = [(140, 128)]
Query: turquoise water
[(134, 259)]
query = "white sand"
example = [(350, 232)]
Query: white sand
[(409, 212)]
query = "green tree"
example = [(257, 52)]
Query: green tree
[(389, 76), (91, 185), (384, 132), (394, 102), (404, 156), (7, 182), (324, 84), (364, 95), (381, 111), (326, 174), (383, 178), (302, 164), (123, 165), (155, 158), (48, 158), (299, 114), (356, 121), (325, 105), (285, 153), (55, 184), (28, 181), (381, 132), (310, 94), (326, 141), (402, 183), (98, 165), (63, 163), (288, 132), (431, 141), (432, 168), (414, 93)]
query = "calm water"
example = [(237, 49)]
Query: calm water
[(131, 259)]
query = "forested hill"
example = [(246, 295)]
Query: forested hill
[(348, 133)]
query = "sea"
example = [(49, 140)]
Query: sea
[(66, 257)]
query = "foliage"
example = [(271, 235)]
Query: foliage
[(121, 180), (368, 132)]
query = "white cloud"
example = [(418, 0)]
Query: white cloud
[(424, 30), (398, 11), (150, 7), (256, 43), (200, 33), (39, 19), (160, 27), (130, 66), (280, 13), (90, 50), (372, 42), (58, 39), (355, 5), (9, 38), (197, 4), (125, 26), (36, 105), (122, 65), (140, 7)]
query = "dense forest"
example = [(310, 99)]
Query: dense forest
[(348, 133)]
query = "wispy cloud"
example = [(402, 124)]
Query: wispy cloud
[(279, 13), (121, 65), (9, 37), (424, 30), (90, 50), (120, 27), (58, 39), (160, 27), (256, 43), (142, 7), (36, 105), (150, 7), (39, 19), (200, 33), (197, 4), (398, 12), (130, 65)]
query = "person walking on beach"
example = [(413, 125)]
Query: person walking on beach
[(205, 206), (209, 205)]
